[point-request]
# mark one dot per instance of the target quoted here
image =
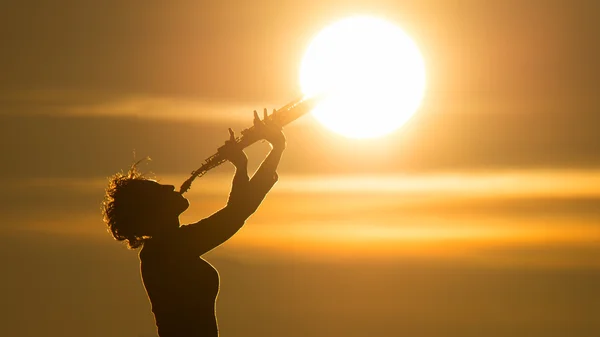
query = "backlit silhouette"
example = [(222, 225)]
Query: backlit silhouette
[(182, 286)]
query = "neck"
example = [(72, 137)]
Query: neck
[(166, 225)]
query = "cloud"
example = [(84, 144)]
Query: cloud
[(90, 104), (452, 215), (491, 184)]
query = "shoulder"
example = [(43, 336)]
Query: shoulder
[(158, 246), (149, 249)]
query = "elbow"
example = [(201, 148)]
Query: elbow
[(240, 210)]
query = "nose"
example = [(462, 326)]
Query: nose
[(170, 187)]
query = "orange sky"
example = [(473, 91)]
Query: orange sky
[(481, 215), (384, 217)]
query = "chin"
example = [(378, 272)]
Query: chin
[(185, 204)]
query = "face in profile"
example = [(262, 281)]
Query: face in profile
[(161, 200)]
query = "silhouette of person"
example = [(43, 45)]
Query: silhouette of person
[(183, 287)]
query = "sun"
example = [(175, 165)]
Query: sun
[(370, 73)]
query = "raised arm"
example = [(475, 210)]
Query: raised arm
[(246, 203), (246, 194), (266, 174), (206, 234), (236, 156)]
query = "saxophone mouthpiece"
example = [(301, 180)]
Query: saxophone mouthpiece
[(185, 186)]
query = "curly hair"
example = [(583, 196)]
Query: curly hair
[(118, 207)]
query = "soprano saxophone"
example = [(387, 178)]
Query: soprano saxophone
[(286, 114)]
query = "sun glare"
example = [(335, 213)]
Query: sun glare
[(371, 74)]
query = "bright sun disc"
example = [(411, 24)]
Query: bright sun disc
[(371, 72)]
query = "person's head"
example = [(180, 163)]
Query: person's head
[(136, 208)]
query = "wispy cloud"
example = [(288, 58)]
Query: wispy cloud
[(76, 103), (166, 108), (453, 215), (500, 183), (524, 183)]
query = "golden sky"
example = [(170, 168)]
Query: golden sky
[(479, 216)]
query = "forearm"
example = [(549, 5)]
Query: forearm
[(239, 185), (269, 166), (241, 176), (246, 195)]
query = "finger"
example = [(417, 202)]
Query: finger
[(276, 117), (265, 114), (256, 118), (231, 135)]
